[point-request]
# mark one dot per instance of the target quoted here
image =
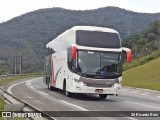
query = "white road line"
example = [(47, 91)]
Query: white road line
[(28, 83), (32, 87), (158, 96), (39, 102), (9, 89), (152, 98), (131, 118), (76, 106), (83, 109), (134, 92), (42, 93), (123, 90), (143, 105), (28, 97), (145, 93)]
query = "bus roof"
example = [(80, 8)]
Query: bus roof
[(94, 28), (86, 28)]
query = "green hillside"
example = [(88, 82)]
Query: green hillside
[(144, 76), (27, 35), (34, 29)]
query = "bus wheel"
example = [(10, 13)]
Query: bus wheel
[(68, 94), (102, 96), (49, 85)]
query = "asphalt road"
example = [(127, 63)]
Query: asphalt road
[(35, 92)]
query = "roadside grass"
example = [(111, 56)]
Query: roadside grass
[(2, 103), (141, 60), (144, 76), (11, 78)]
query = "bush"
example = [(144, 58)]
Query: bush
[(141, 60)]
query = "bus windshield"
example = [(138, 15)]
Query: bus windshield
[(99, 64)]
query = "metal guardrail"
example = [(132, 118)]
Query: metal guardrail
[(16, 104)]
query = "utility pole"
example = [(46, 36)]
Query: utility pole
[(18, 65), (15, 65)]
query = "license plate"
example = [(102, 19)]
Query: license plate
[(99, 90)]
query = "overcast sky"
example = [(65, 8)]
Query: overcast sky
[(12, 8)]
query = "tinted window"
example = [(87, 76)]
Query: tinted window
[(97, 39), (105, 64)]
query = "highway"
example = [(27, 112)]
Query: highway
[(35, 92)]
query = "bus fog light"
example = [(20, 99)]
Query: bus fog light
[(78, 88), (82, 83), (117, 86)]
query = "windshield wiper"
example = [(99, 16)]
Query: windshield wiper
[(87, 73)]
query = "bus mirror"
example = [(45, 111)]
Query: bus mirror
[(74, 52), (128, 54)]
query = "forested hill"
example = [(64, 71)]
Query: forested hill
[(27, 34), (145, 42)]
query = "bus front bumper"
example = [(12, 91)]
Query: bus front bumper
[(98, 90)]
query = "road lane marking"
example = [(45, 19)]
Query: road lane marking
[(42, 93), (158, 96), (124, 90), (28, 97), (76, 106), (83, 109), (32, 87), (134, 92), (39, 102), (143, 105), (148, 97), (9, 89), (28, 83), (129, 88), (145, 93), (131, 118)]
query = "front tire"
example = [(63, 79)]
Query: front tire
[(68, 94), (103, 96)]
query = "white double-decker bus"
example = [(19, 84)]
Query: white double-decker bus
[(86, 59)]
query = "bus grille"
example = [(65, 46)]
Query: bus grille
[(99, 85)]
